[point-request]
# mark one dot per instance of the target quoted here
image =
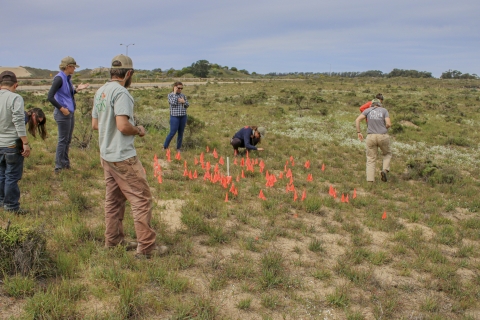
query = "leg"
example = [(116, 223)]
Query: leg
[(63, 124), (181, 128), (174, 123), (114, 209), (132, 180), (3, 167), (384, 144), (13, 174), (371, 143), (69, 141), (236, 143)]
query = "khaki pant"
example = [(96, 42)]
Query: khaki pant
[(126, 180), (375, 141)]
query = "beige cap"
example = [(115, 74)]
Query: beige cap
[(262, 131), (122, 62), (68, 61)]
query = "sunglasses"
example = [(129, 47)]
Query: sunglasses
[(179, 88)]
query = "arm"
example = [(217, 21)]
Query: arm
[(81, 86), (18, 118), (172, 99), (357, 124), (125, 127), (388, 123), (246, 140), (186, 104), (94, 123)]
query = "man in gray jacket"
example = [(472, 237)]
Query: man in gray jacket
[(13, 142)]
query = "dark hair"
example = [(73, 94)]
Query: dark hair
[(118, 72), (379, 96), (7, 83), (255, 141), (42, 130), (177, 83)]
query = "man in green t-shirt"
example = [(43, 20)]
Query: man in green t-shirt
[(125, 177)]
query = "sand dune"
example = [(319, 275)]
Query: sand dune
[(19, 71)]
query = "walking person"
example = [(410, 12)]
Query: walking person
[(378, 122), (248, 137), (125, 177), (368, 104), (178, 115), (13, 142), (62, 97)]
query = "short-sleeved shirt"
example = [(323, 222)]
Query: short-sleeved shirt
[(376, 120), (113, 100)]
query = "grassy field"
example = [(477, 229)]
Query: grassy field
[(278, 258)]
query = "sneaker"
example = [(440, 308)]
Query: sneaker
[(156, 252), (384, 175), (129, 245), (18, 211)]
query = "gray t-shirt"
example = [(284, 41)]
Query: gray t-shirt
[(113, 100), (12, 118), (376, 120)]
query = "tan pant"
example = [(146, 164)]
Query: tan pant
[(375, 141), (126, 180)]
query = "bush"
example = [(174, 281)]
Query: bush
[(23, 251), (425, 169)]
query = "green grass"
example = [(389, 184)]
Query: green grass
[(266, 258)]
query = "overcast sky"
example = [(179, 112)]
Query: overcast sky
[(257, 35)]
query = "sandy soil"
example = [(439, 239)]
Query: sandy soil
[(19, 71)]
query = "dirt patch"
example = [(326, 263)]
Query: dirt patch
[(19, 71), (409, 124), (171, 213)]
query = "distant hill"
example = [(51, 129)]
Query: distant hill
[(20, 72)]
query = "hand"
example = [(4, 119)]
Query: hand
[(260, 149), (141, 130), (181, 100), (26, 150), (82, 86), (175, 89), (65, 111), (360, 136)]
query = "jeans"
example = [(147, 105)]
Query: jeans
[(65, 126), (126, 180), (375, 141), (11, 170), (176, 124)]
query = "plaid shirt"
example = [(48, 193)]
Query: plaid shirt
[(177, 109)]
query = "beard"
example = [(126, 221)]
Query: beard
[(128, 82)]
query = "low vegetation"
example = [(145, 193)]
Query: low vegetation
[(405, 249)]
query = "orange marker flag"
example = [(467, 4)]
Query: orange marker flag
[(236, 191), (295, 197), (203, 165), (261, 169), (354, 193), (226, 197), (243, 175), (190, 175), (295, 215), (216, 168), (208, 166), (261, 164), (159, 178), (235, 161), (196, 161), (291, 180), (206, 175), (247, 154), (238, 178), (330, 191), (185, 164), (195, 174), (323, 166), (242, 162), (291, 158), (309, 177), (343, 198), (232, 188), (201, 157), (289, 173), (185, 173), (293, 163), (221, 161), (261, 195), (208, 149), (155, 159), (307, 164), (346, 199), (335, 193), (285, 168), (304, 194), (267, 176), (384, 216), (177, 156), (215, 154), (280, 176)]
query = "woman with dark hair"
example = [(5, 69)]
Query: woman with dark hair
[(35, 119), (248, 137), (61, 95), (178, 115)]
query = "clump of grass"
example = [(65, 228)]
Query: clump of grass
[(272, 270), (339, 298), (270, 301), (244, 304), (18, 286), (315, 245)]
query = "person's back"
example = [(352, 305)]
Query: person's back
[(111, 100), (376, 119), (12, 118)]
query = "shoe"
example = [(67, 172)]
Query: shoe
[(18, 211), (384, 175), (128, 245), (156, 252)]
